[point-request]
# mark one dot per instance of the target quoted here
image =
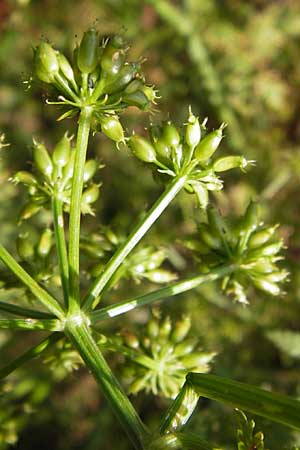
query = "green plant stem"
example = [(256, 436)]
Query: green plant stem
[(58, 220), (80, 335), (180, 410), (31, 324), (275, 407), (24, 312), (33, 352), (48, 301), (179, 441), (75, 207), (163, 293), (92, 298)]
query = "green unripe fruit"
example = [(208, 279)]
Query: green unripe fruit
[(277, 277), (134, 86), (112, 128), (24, 177), (66, 68), (153, 329), (230, 162), (170, 135), (45, 243), (69, 168), (250, 220), (193, 131), (260, 237), (137, 99), (87, 57), (130, 340), (29, 210), (150, 93), (127, 73), (209, 144), (185, 347), (181, 329), (142, 148), (208, 238), (216, 222), (160, 276), (46, 62), (25, 248), (112, 60), (268, 286), (42, 159), (90, 168), (91, 194), (165, 328), (61, 152)]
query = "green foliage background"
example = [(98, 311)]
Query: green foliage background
[(233, 61)]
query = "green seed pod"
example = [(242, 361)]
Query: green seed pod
[(137, 99), (160, 276), (112, 61), (267, 286), (277, 277), (134, 86), (138, 385), (165, 328), (230, 162), (162, 149), (46, 63), (90, 168), (153, 329), (42, 159), (170, 135), (260, 237), (69, 168), (250, 221), (112, 128), (270, 249), (193, 131), (185, 347), (90, 195), (197, 360), (130, 340), (208, 238), (25, 178), (29, 210), (88, 51), (142, 148), (25, 248), (181, 330), (61, 152), (66, 68), (216, 221), (150, 93), (127, 73), (263, 266), (45, 243), (209, 145)]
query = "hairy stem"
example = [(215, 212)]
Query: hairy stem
[(75, 207), (58, 220), (48, 301), (80, 335), (92, 298), (163, 293)]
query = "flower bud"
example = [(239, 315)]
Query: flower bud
[(45, 243), (130, 340), (165, 327), (208, 238), (193, 131), (170, 135), (209, 144), (91, 194), (42, 159), (260, 237), (250, 220), (90, 168), (112, 128), (61, 152), (46, 63), (266, 250), (185, 347), (267, 286), (230, 162), (29, 210), (153, 329), (142, 148), (87, 57)]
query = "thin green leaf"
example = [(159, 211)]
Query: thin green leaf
[(276, 407)]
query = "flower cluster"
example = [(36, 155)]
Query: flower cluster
[(171, 151), (52, 178), (143, 264), (160, 358), (252, 248), (100, 77)]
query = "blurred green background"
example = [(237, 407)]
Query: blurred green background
[(233, 61)]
